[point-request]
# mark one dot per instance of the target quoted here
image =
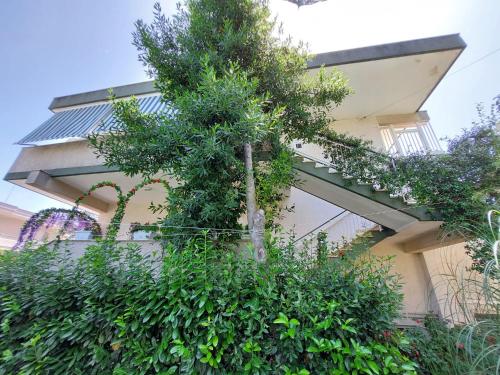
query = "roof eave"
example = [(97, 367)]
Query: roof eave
[(350, 56), (140, 88), (387, 51)]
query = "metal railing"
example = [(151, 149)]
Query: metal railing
[(342, 158), (409, 139), (318, 228), (339, 234)]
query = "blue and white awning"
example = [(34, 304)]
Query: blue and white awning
[(79, 123)]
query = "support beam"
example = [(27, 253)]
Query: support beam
[(405, 118), (430, 240), (43, 181)]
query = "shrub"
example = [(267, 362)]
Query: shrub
[(443, 350), (201, 310)]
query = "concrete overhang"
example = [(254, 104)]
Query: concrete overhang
[(419, 237), (68, 184), (392, 78), (9, 210), (137, 89)]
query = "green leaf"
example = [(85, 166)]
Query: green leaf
[(294, 322), (373, 366), (282, 319)]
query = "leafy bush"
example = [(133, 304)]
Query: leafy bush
[(201, 310), (441, 350)]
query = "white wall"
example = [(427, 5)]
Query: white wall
[(367, 129)]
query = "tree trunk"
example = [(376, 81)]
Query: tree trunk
[(255, 217)]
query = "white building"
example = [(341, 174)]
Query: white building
[(12, 219), (391, 83)]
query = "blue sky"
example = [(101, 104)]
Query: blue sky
[(58, 47)]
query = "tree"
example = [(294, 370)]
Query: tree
[(300, 3), (237, 91)]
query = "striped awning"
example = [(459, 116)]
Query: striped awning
[(79, 123)]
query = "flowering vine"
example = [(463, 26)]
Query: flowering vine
[(69, 220), (123, 200)]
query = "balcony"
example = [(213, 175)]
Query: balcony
[(406, 139)]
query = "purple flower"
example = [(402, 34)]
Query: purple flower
[(66, 220)]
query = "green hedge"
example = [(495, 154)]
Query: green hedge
[(203, 311)]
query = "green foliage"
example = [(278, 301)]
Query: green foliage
[(273, 178), (458, 186), (202, 310), (240, 32), (123, 200), (230, 81), (461, 184), (441, 350), (322, 248), (300, 3)]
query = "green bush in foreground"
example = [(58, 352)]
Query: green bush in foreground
[(203, 311), (441, 350)]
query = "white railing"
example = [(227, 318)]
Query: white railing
[(339, 159), (400, 140), (339, 232)]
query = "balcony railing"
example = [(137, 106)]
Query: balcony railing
[(363, 166), (400, 140)]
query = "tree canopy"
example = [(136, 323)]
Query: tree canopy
[(232, 79)]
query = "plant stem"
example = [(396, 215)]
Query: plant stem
[(250, 187), (255, 217)]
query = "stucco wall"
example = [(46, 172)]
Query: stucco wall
[(64, 155), (9, 230), (367, 128), (458, 290), (307, 212), (415, 280)]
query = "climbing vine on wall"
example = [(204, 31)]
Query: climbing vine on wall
[(123, 200), (458, 186), (68, 220)]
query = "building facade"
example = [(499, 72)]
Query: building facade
[(391, 82), (12, 218)]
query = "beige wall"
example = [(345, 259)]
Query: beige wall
[(438, 281), (458, 290), (367, 129), (64, 155), (9, 229), (307, 212), (418, 299)]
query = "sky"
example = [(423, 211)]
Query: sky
[(53, 48)]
